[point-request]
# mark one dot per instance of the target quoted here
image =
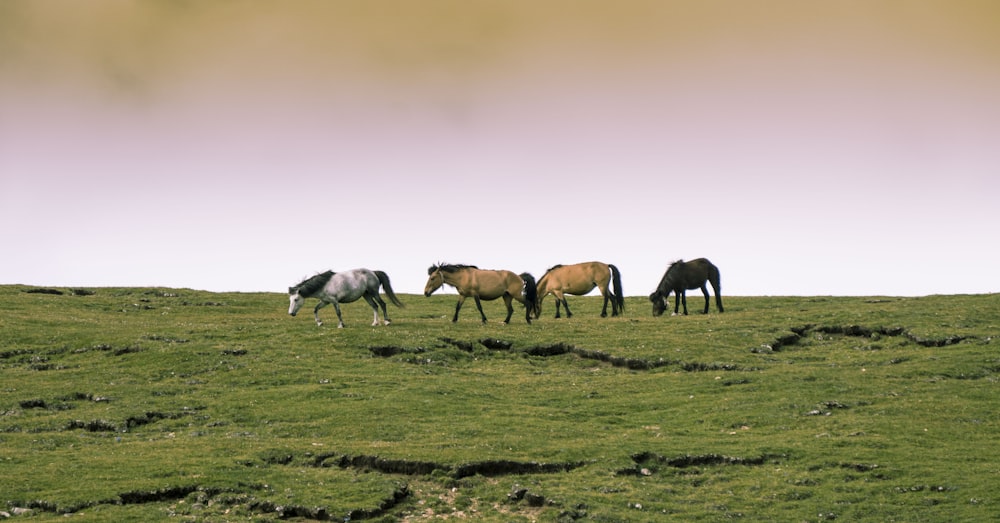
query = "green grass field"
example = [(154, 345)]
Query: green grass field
[(155, 404)]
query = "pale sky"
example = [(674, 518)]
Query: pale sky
[(846, 147)]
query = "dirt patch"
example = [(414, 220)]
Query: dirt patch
[(55, 292), (388, 351), (648, 463)]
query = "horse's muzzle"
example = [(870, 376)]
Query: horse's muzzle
[(292, 314)]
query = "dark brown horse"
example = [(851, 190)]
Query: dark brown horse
[(579, 279), (479, 284), (680, 277)]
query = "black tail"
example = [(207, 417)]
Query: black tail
[(619, 294), (530, 292), (383, 278), (717, 287)]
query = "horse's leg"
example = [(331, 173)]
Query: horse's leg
[(718, 296), (371, 303), (479, 306), (507, 300), (385, 313), (527, 309), (604, 309), (704, 290), (560, 301), (319, 306), (458, 307), (340, 319), (569, 314)]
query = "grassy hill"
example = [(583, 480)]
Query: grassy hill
[(145, 404)]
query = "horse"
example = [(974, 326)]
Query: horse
[(680, 277), (343, 287), (471, 281), (579, 279)]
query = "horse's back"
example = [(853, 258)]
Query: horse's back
[(355, 276), (490, 284), (709, 268), (699, 271), (350, 285), (579, 278)]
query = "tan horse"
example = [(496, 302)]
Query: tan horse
[(471, 281), (579, 279)]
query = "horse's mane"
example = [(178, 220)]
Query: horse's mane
[(674, 271), (552, 268), (309, 286), (449, 267)]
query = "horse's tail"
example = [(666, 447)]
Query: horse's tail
[(530, 291), (383, 278), (716, 285), (619, 294)]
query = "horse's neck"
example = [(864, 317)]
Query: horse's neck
[(455, 279)]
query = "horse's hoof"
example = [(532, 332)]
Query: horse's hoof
[(673, 314)]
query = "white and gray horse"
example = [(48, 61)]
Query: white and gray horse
[(343, 287)]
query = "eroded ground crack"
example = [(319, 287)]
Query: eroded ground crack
[(798, 333), (648, 463), (488, 468), (560, 349), (229, 497)]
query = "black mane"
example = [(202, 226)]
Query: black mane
[(670, 278), (449, 267), (309, 286), (552, 268)]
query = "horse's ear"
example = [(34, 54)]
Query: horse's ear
[(293, 290)]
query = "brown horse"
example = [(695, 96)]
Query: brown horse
[(680, 277), (471, 281), (579, 279)]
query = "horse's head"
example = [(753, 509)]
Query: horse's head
[(295, 301), (659, 303), (434, 281)]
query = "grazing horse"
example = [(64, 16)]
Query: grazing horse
[(471, 281), (680, 277), (579, 279), (343, 287)]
